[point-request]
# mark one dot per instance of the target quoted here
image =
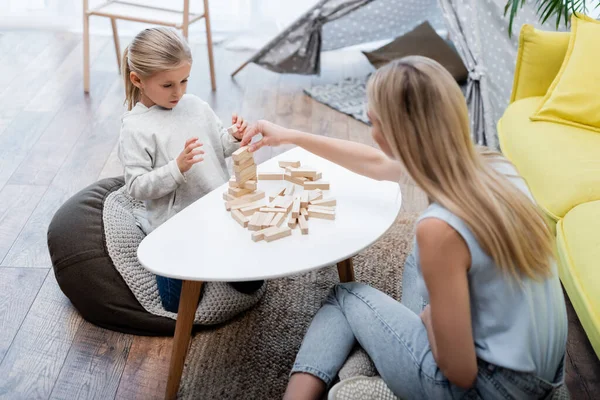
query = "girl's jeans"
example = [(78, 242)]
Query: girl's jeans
[(396, 340)]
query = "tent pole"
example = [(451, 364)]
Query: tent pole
[(241, 67)]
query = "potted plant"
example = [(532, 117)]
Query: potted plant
[(559, 9)]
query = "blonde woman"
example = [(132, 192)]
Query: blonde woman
[(172, 145), (495, 326)]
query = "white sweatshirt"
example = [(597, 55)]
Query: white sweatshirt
[(151, 140)]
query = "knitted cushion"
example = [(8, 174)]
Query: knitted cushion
[(357, 363), (79, 243), (361, 388), (220, 301)]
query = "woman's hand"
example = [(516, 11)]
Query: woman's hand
[(272, 135), (241, 124), (187, 159)]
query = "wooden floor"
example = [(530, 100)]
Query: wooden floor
[(54, 140)]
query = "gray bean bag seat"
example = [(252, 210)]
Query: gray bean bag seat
[(93, 240)]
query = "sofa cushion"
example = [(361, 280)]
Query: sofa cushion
[(540, 57), (578, 241), (560, 163), (572, 98)]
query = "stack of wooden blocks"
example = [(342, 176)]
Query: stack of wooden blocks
[(247, 204)]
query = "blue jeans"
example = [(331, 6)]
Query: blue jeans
[(396, 340), (169, 290)]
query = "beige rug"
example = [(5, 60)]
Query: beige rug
[(251, 356)]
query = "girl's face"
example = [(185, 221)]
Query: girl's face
[(378, 134), (164, 88)]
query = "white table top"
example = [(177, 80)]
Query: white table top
[(203, 242)]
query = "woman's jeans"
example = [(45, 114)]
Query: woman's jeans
[(396, 340), (169, 290)]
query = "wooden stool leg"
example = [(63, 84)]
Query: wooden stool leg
[(346, 270), (113, 23), (86, 50), (209, 44), (190, 292)]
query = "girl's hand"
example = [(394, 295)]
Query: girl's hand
[(241, 125), (272, 135), (187, 159)]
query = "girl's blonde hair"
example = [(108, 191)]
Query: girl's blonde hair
[(424, 118), (152, 50)]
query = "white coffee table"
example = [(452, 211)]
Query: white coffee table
[(204, 243)]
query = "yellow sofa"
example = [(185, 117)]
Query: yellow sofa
[(561, 165)]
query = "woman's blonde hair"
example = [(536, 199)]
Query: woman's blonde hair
[(424, 118), (152, 50)]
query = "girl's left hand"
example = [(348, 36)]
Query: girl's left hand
[(242, 125)]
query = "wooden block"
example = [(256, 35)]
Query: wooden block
[(251, 209), (240, 206), (239, 192), (304, 172), (289, 191), (304, 199), (298, 180), (232, 130), (270, 176), (324, 208), (319, 176), (324, 202), (228, 197), (233, 183), (249, 185), (260, 235), (245, 173), (240, 218), (296, 208), (293, 164), (278, 233), (254, 224), (241, 154), (265, 222), (288, 203), (308, 185), (303, 225), (292, 222), (278, 219), (314, 195), (272, 209), (323, 214), (304, 211), (245, 199), (243, 165)]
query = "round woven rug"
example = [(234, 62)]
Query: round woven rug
[(250, 357)]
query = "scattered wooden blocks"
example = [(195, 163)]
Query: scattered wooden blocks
[(298, 180), (245, 199), (296, 208), (289, 191), (266, 220), (278, 219), (304, 200), (304, 212), (314, 195), (270, 176), (255, 222), (240, 218), (311, 185), (238, 192), (293, 164), (260, 235), (250, 205), (324, 202), (304, 172), (272, 209), (292, 221), (323, 208), (319, 213), (277, 233), (252, 208), (303, 225)]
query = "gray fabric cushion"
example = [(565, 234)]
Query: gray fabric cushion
[(421, 41), (85, 272)]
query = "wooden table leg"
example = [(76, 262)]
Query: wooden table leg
[(346, 270), (190, 292)]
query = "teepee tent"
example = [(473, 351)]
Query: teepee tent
[(478, 29)]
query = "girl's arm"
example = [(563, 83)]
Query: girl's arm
[(142, 181), (362, 159), (445, 259)]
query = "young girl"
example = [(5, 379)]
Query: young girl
[(166, 133), (495, 326)]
